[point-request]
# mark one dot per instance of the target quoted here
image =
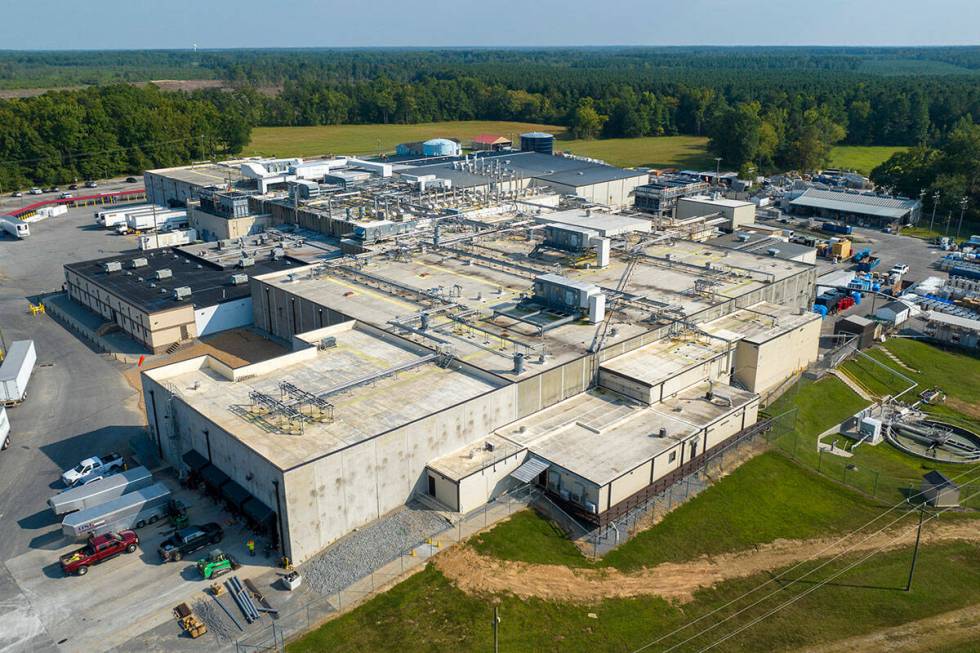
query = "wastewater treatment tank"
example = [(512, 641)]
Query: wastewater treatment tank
[(441, 147), (935, 440), (538, 142)]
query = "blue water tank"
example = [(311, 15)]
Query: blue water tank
[(441, 147), (538, 142), (822, 310), (857, 297)]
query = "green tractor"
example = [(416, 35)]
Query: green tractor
[(215, 564)]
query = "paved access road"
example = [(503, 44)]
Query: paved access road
[(78, 402), (112, 185)]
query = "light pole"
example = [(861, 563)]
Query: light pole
[(963, 202), (922, 203), (717, 171), (935, 202)]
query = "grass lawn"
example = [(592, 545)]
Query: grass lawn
[(879, 380), (375, 139), (652, 151), (787, 501), (427, 613), (861, 158), (819, 406)]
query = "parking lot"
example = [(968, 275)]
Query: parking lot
[(79, 404)]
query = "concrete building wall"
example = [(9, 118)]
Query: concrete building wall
[(223, 316), (761, 367), (156, 330), (490, 482), (447, 490), (615, 193), (329, 497), (566, 483), (630, 483), (215, 227)]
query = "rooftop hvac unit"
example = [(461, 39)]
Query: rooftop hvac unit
[(182, 293), (164, 273), (772, 251), (239, 279), (246, 261), (138, 263), (327, 343), (743, 237), (112, 266)]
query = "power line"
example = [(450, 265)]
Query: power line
[(816, 586), (815, 555)]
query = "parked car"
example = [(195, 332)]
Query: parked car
[(73, 187), (92, 469), (900, 268), (99, 549), (51, 189), (35, 191), (188, 540), (17, 193), (66, 196), (131, 180), (91, 184)]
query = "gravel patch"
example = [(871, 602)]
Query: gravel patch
[(215, 619), (373, 546)]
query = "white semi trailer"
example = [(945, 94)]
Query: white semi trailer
[(111, 217), (15, 372), (101, 491), (14, 226), (132, 510), (4, 429)]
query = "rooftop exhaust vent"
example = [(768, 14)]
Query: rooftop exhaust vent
[(164, 273), (138, 263), (239, 279), (112, 266), (182, 293)]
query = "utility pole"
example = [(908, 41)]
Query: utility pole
[(717, 172), (963, 202), (935, 202), (496, 627), (915, 551)]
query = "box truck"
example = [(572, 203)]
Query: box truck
[(134, 509), (15, 372), (101, 491), (14, 226)]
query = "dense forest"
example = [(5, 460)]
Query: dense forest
[(763, 108)]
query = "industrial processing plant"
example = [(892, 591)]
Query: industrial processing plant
[(482, 331)]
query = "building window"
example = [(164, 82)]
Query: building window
[(672, 457)]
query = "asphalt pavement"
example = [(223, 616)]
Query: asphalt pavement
[(8, 202), (78, 402)]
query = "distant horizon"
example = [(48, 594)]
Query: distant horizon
[(122, 25), (745, 46)]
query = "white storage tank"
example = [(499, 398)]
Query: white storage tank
[(441, 147)]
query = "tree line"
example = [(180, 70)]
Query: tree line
[(762, 108)]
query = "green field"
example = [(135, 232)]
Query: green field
[(766, 498), (788, 502), (685, 152), (376, 139), (862, 158)]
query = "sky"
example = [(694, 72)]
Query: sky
[(141, 24)]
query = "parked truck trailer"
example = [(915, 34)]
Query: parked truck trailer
[(15, 372), (4, 429), (117, 214), (99, 492), (132, 510), (14, 226)]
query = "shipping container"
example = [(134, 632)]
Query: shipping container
[(131, 510), (101, 491), (15, 372), (835, 228)]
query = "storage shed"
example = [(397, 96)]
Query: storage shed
[(866, 330), (894, 313), (940, 492)]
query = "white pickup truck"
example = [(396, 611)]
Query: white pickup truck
[(92, 469)]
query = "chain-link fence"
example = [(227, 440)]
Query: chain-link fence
[(716, 464), (287, 626)]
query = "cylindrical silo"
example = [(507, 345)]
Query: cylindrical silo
[(538, 142)]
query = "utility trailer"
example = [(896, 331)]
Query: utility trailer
[(132, 510), (15, 372), (14, 226), (101, 491), (117, 215), (4, 429)]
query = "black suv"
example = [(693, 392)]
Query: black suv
[(190, 539)]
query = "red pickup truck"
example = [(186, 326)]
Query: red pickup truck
[(99, 549)]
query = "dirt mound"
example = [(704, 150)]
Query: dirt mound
[(477, 574)]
